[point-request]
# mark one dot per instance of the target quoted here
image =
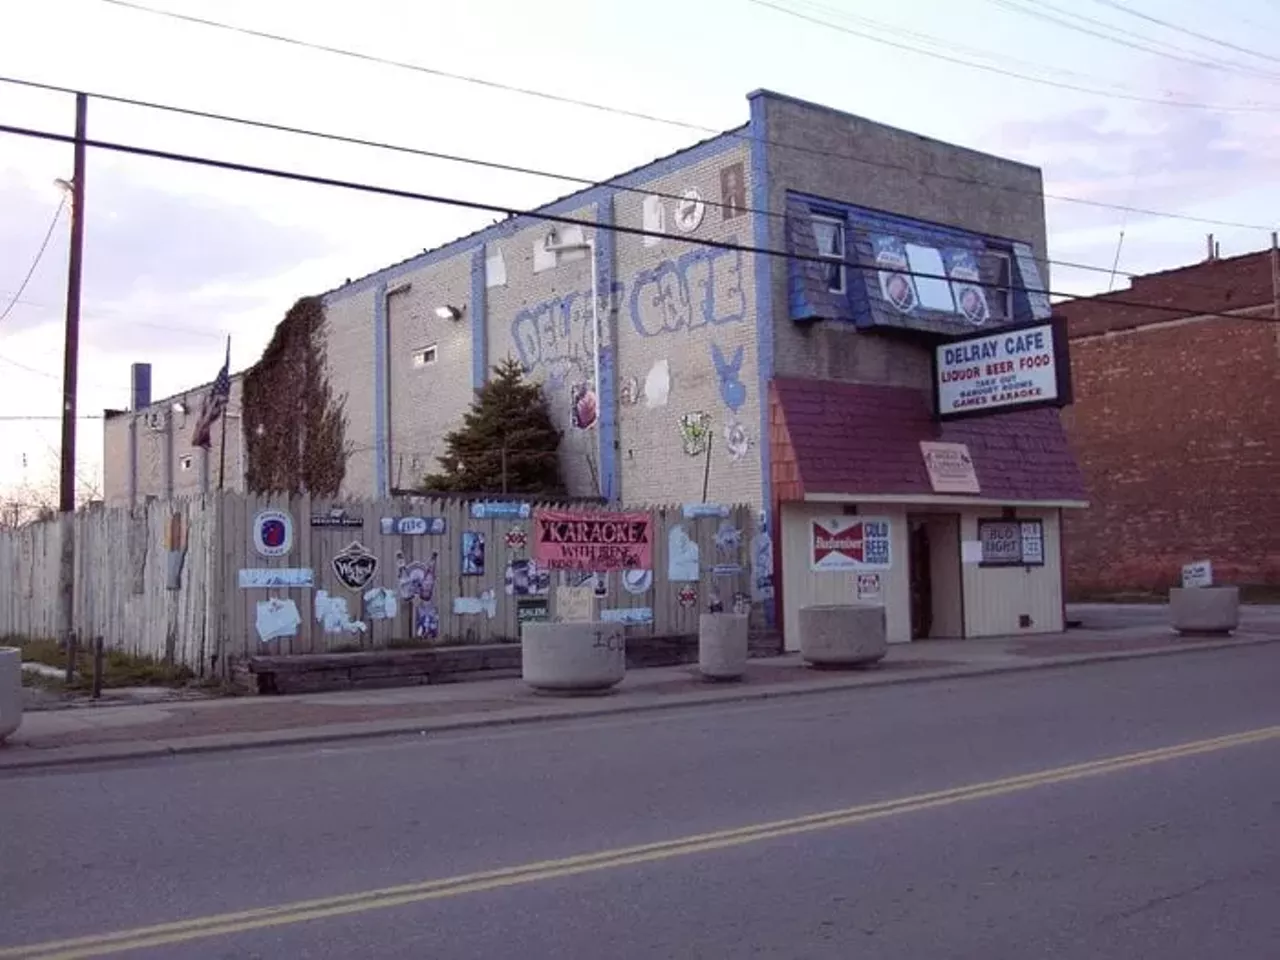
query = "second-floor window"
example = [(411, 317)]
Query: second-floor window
[(829, 234)]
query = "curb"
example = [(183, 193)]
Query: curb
[(54, 757)]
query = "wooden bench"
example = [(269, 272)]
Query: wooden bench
[(315, 672)]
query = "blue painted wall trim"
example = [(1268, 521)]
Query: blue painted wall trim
[(477, 309), (380, 391), (761, 224), (576, 201), (607, 388)]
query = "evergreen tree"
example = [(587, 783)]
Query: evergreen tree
[(507, 435)]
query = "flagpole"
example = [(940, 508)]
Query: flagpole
[(222, 446)]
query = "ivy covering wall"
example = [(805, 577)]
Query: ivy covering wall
[(295, 428)]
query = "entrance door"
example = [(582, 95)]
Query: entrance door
[(920, 572)]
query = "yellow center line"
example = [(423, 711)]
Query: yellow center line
[(302, 911)]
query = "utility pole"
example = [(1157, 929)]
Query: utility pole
[(71, 352), (70, 372)]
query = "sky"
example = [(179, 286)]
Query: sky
[(1180, 117)]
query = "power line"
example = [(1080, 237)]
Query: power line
[(573, 101), (453, 158), (44, 245), (1142, 44), (514, 212), (1000, 71), (1183, 30), (583, 181), (620, 111), (94, 315)]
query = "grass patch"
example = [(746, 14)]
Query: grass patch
[(119, 669)]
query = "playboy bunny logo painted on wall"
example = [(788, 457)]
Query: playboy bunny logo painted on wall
[(729, 375)]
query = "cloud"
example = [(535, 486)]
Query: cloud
[(153, 261), (1149, 156)]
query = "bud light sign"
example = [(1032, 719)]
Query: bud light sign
[(851, 543)]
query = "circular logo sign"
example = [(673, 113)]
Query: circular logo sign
[(690, 209), (273, 533)]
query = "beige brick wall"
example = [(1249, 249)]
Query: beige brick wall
[(693, 308), (349, 347), (543, 320), (427, 400), (987, 195), (154, 425)]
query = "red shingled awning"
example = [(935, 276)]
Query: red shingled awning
[(831, 437)]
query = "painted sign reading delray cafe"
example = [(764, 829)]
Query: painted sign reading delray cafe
[(1019, 367)]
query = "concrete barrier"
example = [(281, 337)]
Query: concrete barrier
[(722, 645), (843, 634), (1200, 610), (573, 658), (10, 690)]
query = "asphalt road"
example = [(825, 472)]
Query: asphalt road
[(1175, 856)]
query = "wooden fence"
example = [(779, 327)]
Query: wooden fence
[(214, 578)]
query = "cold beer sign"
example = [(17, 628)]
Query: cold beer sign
[(1019, 367)]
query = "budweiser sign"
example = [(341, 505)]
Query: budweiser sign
[(851, 543)]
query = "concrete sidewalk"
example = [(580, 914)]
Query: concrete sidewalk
[(99, 733)]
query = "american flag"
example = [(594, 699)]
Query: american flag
[(215, 402)]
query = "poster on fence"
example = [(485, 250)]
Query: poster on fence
[(570, 540)]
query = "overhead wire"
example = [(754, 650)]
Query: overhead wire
[(575, 101), (1049, 13), (1180, 53), (570, 178), (1000, 71), (620, 111), (544, 216), (44, 245), (1226, 44)]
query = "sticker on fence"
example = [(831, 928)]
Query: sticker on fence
[(574, 604), (728, 538), (486, 603), (354, 566), (337, 517), (687, 595), (417, 580), (333, 614), (637, 582), (516, 538), (413, 526), (276, 618), (273, 533), (472, 553), (426, 621), (682, 556), (524, 578), (628, 615), (694, 511), (533, 610), (380, 604), (500, 509), (567, 540), (266, 577)]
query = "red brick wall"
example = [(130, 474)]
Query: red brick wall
[(1177, 429)]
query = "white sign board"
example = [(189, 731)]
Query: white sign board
[(1198, 574), (869, 587), (1016, 368), (950, 467)]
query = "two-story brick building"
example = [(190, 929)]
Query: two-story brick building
[(1177, 427), (768, 303)]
